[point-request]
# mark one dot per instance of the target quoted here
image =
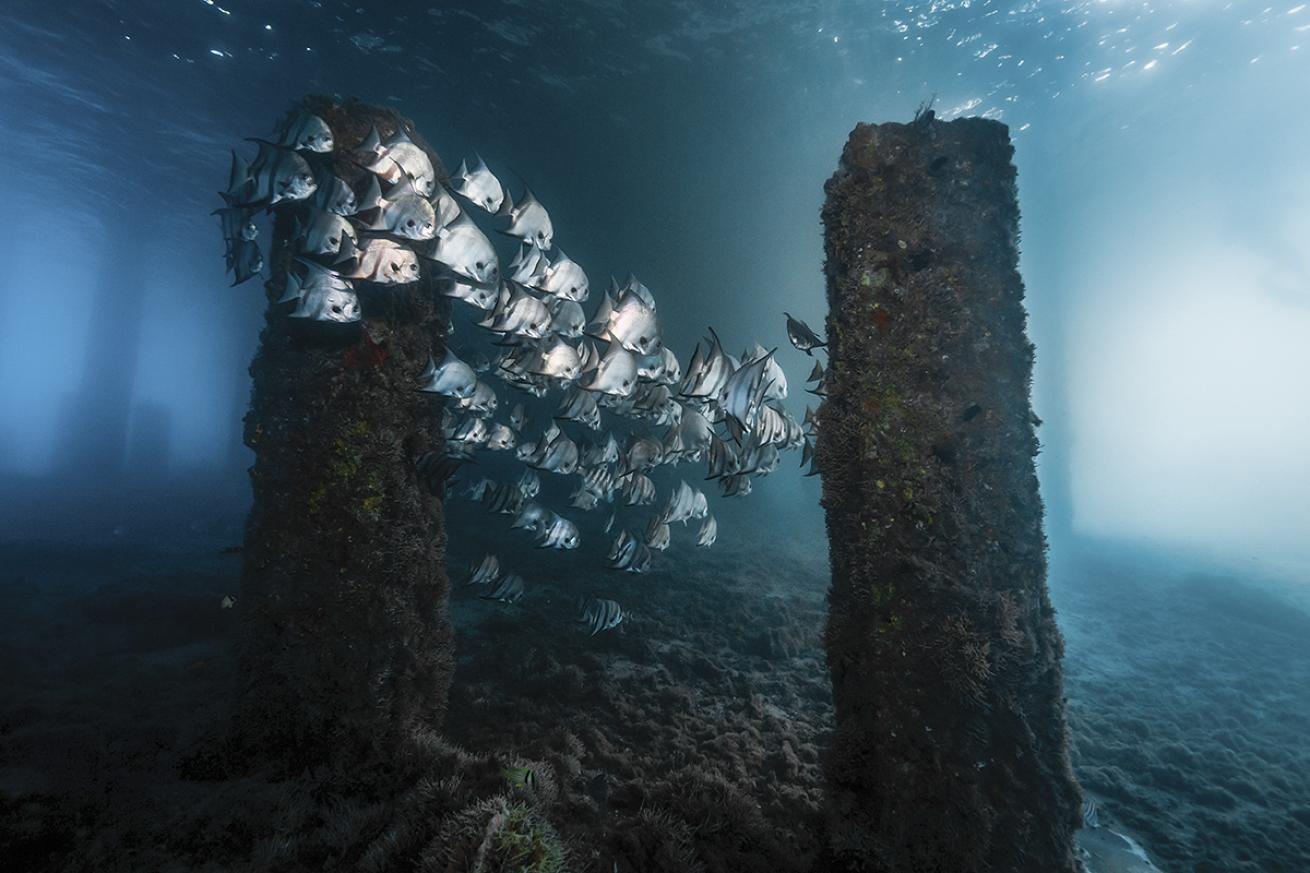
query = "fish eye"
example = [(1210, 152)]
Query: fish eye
[(336, 240), (480, 265), (409, 223)]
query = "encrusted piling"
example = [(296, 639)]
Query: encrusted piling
[(950, 752), (346, 644)]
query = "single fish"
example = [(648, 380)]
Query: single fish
[(744, 391), (321, 295), (397, 158), (324, 233), (528, 220), (444, 207), (245, 260), (486, 571), (478, 185), (709, 532), (617, 373), (453, 378), (529, 484), (694, 432), (637, 489), (801, 336), (580, 406), (708, 372), (560, 456), (501, 438), (529, 265), (403, 212), (774, 377), (465, 250), (505, 499), (532, 517), (567, 318), (507, 590), (629, 554), (722, 459), (517, 417), (227, 602), (600, 615), (736, 486), (559, 361), (473, 293), (384, 262), (334, 195), (482, 402), (520, 314), (644, 453), (237, 223), (565, 279), (307, 132), (472, 433), (680, 505), (277, 175), (658, 535), (560, 533), (634, 326), (435, 470), (583, 499)]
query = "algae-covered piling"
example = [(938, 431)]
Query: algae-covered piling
[(950, 751), (346, 642)]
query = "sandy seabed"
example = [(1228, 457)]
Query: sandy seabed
[(707, 713)]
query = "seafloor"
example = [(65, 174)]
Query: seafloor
[(707, 714)]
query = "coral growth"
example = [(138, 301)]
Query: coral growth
[(950, 751)]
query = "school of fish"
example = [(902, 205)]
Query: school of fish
[(642, 412)]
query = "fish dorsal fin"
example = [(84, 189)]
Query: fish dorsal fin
[(372, 142), (372, 198), (292, 289), (403, 188), (462, 174), (347, 251), (506, 209), (399, 136), (481, 165)]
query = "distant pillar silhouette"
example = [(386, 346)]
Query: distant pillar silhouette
[(950, 750), (149, 449), (346, 644), (94, 425)]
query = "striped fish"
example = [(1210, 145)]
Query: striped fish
[(507, 590), (599, 615), (485, 572)]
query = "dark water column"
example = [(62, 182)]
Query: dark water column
[(950, 751), (346, 642)]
